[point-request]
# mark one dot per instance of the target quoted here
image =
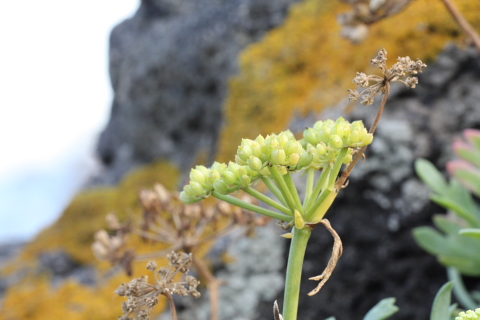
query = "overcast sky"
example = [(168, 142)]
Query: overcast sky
[(54, 100)]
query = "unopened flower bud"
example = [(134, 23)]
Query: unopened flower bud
[(220, 186), (335, 141), (229, 177), (283, 170), (246, 180), (347, 159), (203, 169), (197, 175), (305, 159), (255, 163), (355, 137), (220, 167), (213, 176), (244, 152), (367, 139), (321, 149), (265, 171), (196, 189), (282, 138), (256, 149), (309, 135), (293, 146), (293, 159), (186, 198), (260, 139), (239, 160), (278, 156)]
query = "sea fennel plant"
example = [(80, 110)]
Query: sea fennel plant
[(326, 147)]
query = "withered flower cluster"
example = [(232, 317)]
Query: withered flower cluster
[(113, 248), (166, 219), (143, 296), (404, 66)]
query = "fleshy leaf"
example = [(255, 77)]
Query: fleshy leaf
[(431, 176), (382, 310), (441, 304)]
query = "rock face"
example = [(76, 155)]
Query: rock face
[(376, 213), (169, 68)]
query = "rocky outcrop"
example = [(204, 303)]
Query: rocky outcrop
[(169, 67)]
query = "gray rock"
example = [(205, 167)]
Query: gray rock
[(254, 278), (169, 67)]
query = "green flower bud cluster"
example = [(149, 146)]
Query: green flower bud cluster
[(202, 181), (320, 147), (280, 150), (469, 315), (339, 134), (325, 140)]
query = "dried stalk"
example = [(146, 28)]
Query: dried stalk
[(462, 22), (332, 263), (360, 154)]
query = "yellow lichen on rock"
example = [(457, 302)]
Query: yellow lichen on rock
[(37, 299), (304, 65)]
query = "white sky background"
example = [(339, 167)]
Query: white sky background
[(54, 100)]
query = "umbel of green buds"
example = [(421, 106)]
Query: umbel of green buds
[(319, 148), (469, 315)]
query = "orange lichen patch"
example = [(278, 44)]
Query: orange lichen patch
[(304, 65)]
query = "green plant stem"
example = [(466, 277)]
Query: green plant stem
[(260, 196), (293, 191), (277, 176), (248, 206), (318, 187), (459, 289), (309, 187), (321, 206), (271, 185), (294, 272), (336, 168)]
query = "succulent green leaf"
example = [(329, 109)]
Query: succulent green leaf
[(473, 136), (465, 265), (331, 318), (431, 240), (469, 176), (469, 154), (446, 225), (458, 207), (431, 176), (441, 304), (382, 310), (471, 232)]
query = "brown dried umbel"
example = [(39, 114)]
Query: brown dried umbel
[(113, 248), (168, 220), (143, 296)]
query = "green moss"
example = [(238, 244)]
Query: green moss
[(304, 65)]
